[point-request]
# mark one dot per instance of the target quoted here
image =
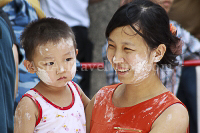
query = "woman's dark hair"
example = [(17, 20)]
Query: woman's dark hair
[(43, 31), (153, 23)]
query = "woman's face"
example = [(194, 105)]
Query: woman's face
[(129, 55)]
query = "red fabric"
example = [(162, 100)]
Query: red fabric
[(106, 118), (56, 106)]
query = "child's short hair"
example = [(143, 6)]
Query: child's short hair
[(43, 31)]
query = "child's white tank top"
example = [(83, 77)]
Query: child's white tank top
[(55, 119)]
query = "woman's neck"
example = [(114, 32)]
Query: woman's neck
[(136, 93)]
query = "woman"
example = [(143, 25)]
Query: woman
[(139, 41)]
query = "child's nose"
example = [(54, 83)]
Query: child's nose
[(60, 69)]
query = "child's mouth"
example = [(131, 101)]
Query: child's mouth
[(61, 78)]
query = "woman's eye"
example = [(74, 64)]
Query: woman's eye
[(128, 49), (68, 59), (110, 45), (49, 63)]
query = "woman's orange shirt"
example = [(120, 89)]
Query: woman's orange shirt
[(106, 118)]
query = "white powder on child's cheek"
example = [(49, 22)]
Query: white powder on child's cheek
[(44, 76), (73, 70), (47, 49)]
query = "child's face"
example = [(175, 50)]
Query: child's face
[(55, 64), (129, 55)]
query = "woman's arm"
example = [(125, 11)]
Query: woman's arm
[(85, 99)]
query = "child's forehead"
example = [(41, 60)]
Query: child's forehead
[(65, 45), (61, 44)]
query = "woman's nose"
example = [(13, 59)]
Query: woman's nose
[(118, 59)]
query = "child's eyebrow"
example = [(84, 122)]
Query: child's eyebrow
[(67, 53), (46, 58)]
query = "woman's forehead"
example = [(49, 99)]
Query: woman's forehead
[(125, 33)]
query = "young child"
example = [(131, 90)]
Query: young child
[(55, 104), (139, 41)]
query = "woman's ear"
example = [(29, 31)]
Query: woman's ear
[(29, 66), (159, 52)]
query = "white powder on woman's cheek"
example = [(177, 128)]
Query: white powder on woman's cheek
[(141, 69), (114, 58), (44, 76)]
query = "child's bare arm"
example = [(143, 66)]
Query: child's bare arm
[(88, 112), (25, 116)]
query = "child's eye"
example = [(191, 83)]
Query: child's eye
[(68, 59), (49, 63)]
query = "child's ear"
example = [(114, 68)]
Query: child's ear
[(76, 52), (29, 66), (159, 52)]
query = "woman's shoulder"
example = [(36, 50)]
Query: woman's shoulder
[(174, 119)]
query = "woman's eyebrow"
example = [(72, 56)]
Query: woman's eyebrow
[(109, 39), (128, 43)]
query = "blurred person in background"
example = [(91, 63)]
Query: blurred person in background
[(7, 78), (187, 14), (21, 13)]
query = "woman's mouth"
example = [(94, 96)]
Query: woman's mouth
[(122, 71)]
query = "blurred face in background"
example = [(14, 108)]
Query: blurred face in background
[(166, 4)]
